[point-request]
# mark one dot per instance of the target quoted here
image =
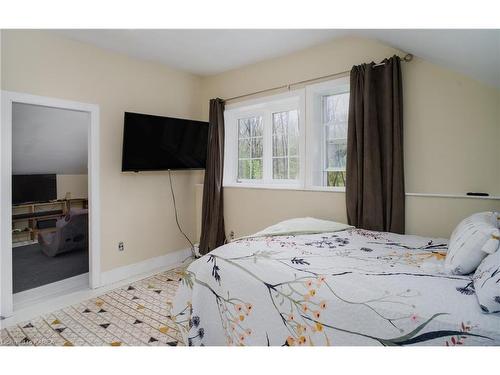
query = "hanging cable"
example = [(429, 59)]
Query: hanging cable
[(193, 253)]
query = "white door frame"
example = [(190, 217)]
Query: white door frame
[(8, 98)]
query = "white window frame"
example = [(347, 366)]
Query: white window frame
[(265, 107), (314, 120), (312, 147)]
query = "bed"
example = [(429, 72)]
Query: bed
[(347, 287)]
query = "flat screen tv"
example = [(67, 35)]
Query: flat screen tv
[(154, 143), (33, 188)]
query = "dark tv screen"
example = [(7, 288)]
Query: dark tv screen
[(32, 188), (153, 143)]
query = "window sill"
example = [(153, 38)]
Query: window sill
[(284, 187)]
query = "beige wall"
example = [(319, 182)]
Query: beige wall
[(76, 184), (135, 208), (452, 133), (451, 137), (254, 209)]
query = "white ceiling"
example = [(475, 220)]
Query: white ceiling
[(475, 53), (205, 52), (48, 140)]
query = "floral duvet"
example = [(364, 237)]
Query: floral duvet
[(352, 287)]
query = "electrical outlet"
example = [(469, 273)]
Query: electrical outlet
[(231, 235), (121, 246)]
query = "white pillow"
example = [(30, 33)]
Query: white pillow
[(487, 283), (471, 241), (301, 225)]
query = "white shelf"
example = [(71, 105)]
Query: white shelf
[(459, 196), (342, 190)]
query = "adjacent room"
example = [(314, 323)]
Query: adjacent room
[(49, 195), (251, 187)]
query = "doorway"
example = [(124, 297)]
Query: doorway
[(49, 198)]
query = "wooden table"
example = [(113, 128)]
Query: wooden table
[(32, 213)]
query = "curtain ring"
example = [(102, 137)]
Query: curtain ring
[(408, 57)]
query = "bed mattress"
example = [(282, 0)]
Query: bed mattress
[(351, 287)]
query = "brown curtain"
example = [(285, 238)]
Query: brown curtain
[(212, 219), (375, 192)]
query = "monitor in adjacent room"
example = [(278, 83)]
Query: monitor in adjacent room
[(33, 188), (152, 143)]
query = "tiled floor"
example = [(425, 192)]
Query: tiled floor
[(135, 314)]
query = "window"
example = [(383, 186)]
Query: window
[(335, 109), (250, 151), (265, 143), (327, 113)]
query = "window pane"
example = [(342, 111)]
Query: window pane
[(244, 128), (335, 179), (293, 145), (293, 122), (280, 146), (336, 130), (280, 168), (244, 148), (256, 147), (336, 155), (244, 169), (256, 127), (285, 129), (293, 168), (293, 133), (279, 123), (256, 169), (336, 107), (250, 148)]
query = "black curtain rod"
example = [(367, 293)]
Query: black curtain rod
[(406, 58)]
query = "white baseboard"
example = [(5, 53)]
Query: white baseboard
[(46, 292), (167, 261), (23, 243)]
